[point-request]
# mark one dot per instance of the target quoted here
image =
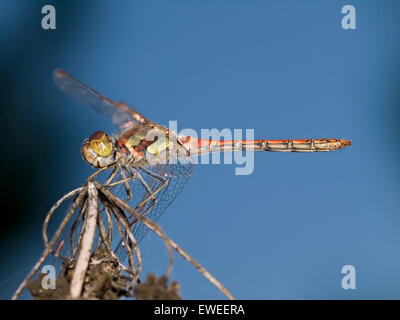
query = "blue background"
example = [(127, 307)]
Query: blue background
[(284, 68)]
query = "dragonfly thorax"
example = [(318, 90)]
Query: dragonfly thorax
[(144, 143)]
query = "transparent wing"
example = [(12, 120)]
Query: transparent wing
[(177, 175), (121, 114)]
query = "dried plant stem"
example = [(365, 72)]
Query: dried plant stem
[(49, 246), (87, 242), (135, 246), (88, 197), (198, 266), (53, 209), (155, 228)]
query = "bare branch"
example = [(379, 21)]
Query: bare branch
[(53, 241), (155, 228), (87, 242)]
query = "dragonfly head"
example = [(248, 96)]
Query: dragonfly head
[(99, 150)]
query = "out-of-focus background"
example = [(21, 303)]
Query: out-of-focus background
[(284, 68)]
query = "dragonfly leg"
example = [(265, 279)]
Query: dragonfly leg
[(132, 177), (125, 180), (99, 171), (111, 176), (152, 194), (126, 184)]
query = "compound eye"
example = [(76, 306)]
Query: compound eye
[(101, 144)]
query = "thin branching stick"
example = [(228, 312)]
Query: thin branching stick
[(87, 242), (135, 246), (155, 228), (113, 206), (107, 243), (109, 225), (49, 246), (74, 249), (53, 209)]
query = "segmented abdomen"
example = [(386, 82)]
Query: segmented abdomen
[(197, 146)]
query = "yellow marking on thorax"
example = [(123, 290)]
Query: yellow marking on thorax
[(157, 146)]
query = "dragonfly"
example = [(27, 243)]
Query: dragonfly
[(156, 161)]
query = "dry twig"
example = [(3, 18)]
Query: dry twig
[(98, 273)]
